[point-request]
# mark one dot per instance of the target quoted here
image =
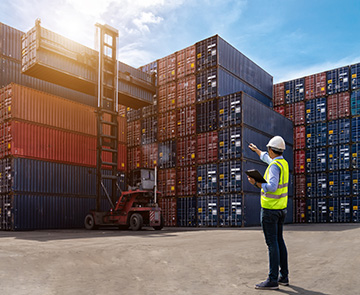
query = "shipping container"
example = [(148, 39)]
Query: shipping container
[(207, 147), (317, 210), (316, 110), (315, 85), (167, 97), (316, 135), (355, 76), (339, 209), (355, 155), (186, 211), (316, 160), (279, 94), (299, 161), (149, 130), (207, 179), (151, 110), (230, 177), (334, 179), (10, 42), (207, 210), (185, 61), (133, 114), (168, 210), (290, 111), (294, 90), (316, 185), (134, 133), (149, 155), (215, 51), (344, 183), (355, 102), (23, 211), (300, 186), (344, 156), (299, 137), (150, 68), (166, 68), (206, 116), (230, 110), (355, 129), (338, 105), (280, 110), (333, 160), (186, 181), (167, 182), (186, 91), (167, 125), (230, 143), (186, 151), (339, 131), (212, 83), (299, 113), (337, 80), (355, 209), (34, 176), (186, 121), (167, 154), (235, 209), (134, 158), (355, 182), (300, 210)]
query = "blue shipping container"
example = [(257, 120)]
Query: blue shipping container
[(344, 130), (230, 110), (229, 143), (207, 182), (355, 209), (235, 203), (344, 156), (316, 160), (355, 182), (339, 209), (186, 211), (333, 161), (355, 155), (355, 102), (206, 116), (355, 76), (337, 80), (316, 135), (334, 183), (316, 210), (333, 132), (316, 185), (315, 110), (294, 90), (344, 183), (355, 129), (207, 210), (230, 176)]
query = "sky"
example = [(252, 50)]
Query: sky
[(287, 38)]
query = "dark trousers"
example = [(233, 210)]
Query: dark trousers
[(272, 222)]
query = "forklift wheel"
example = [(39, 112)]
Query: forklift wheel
[(89, 222), (136, 221)]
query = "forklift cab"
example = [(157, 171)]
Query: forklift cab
[(142, 179)]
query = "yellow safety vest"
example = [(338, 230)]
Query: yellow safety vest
[(277, 200)]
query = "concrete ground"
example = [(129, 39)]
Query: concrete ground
[(323, 258)]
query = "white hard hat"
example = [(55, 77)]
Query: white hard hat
[(277, 143)]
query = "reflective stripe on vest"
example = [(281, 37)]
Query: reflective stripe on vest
[(277, 199)]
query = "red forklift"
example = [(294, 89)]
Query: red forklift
[(135, 208)]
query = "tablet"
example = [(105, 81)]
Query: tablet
[(253, 173)]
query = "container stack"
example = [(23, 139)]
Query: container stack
[(209, 103), (48, 160), (324, 108)]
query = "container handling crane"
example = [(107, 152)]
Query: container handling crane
[(136, 207)]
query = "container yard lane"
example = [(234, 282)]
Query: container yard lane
[(324, 260)]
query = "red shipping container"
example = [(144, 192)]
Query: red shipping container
[(300, 185), (280, 110), (134, 158), (315, 86), (20, 102), (299, 113), (300, 210), (186, 181), (167, 97), (134, 133), (186, 121), (186, 60), (207, 147), (38, 142), (299, 161), (167, 182), (167, 69), (168, 210), (290, 111), (279, 94), (149, 155), (299, 137), (167, 126), (186, 91), (186, 151), (338, 105)]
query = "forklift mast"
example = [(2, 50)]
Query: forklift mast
[(107, 112)]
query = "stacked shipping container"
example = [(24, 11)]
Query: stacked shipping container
[(326, 144)]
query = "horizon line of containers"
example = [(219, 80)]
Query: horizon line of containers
[(325, 109)]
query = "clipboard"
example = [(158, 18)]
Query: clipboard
[(253, 173)]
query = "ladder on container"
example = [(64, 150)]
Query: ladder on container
[(107, 113)]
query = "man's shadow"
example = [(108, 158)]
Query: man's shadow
[(295, 290)]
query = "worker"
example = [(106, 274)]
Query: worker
[(274, 197)]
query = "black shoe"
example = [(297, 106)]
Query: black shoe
[(283, 281), (267, 285)]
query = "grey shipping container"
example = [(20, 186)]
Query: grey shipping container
[(10, 42), (216, 51)]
